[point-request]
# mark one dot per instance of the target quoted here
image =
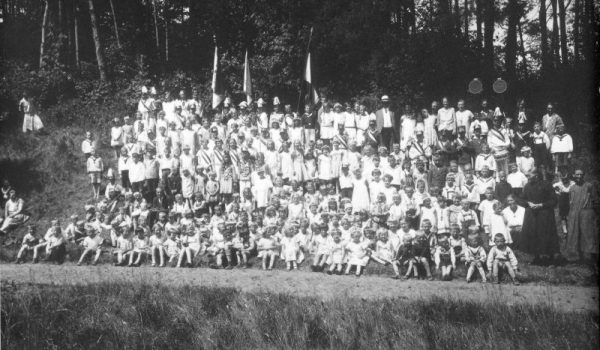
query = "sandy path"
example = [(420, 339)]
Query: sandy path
[(568, 298)]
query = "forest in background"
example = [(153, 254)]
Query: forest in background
[(84, 53)]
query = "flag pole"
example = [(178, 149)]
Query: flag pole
[(307, 52)]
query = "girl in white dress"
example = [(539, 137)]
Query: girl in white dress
[(325, 165), (290, 248), (300, 172), (360, 192), (357, 254), (267, 248), (287, 164), (336, 252), (429, 131)]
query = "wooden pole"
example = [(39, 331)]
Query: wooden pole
[(96, 37), (112, 9), (76, 32)]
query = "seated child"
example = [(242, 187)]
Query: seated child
[(357, 254), (422, 253), (320, 246), (30, 240), (475, 255), (384, 252), (157, 247), (123, 247), (405, 256), (190, 247), (140, 247), (267, 248), (501, 258), (336, 253), (445, 259), (290, 248), (457, 242), (91, 244), (171, 247)]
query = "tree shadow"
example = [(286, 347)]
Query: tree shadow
[(21, 174)]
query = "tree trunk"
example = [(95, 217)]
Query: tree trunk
[(44, 22), (478, 15), (112, 9), (466, 19), (457, 17), (554, 41), (97, 44), (544, 37), (166, 41), (76, 32), (589, 31), (513, 12), (488, 40), (576, 25), (155, 24), (523, 54), (564, 50)]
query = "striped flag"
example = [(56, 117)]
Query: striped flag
[(217, 82), (247, 80)]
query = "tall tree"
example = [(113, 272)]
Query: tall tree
[(544, 37), (479, 20), (523, 53), (576, 29), (76, 31), (97, 44), (114, 17), (44, 22), (466, 19), (488, 39), (155, 24), (514, 16), (554, 40), (564, 50)]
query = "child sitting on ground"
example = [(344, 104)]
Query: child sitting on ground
[(123, 247), (384, 252), (290, 248), (140, 246), (475, 256), (156, 247), (267, 248), (501, 258), (30, 240), (91, 244), (320, 245), (405, 256), (422, 253), (357, 254), (171, 247), (337, 253), (445, 259)]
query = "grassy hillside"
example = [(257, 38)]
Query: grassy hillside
[(146, 316)]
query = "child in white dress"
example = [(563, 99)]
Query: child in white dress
[(290, 248), (267, 248), (320, 245), (357, 254)]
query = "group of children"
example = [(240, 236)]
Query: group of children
[(336, 187)]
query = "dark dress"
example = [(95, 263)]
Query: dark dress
[(539, 226)]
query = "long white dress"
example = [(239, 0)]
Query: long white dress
[(429, 132), (360, 195)]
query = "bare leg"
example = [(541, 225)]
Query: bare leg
[(153, 252), (97, 257), (358, 269), (85, 252), (264, 261), (272, 262), (512, 274), (427, 269), (288, 265), (295, 265), (481, 271), (396, 267), (470, 271), (495, 271)]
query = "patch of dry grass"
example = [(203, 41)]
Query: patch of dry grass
[(119, 316)]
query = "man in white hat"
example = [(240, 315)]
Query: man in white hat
[(386, 123)]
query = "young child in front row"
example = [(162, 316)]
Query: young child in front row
[(122, 247), (30, 240), (357, 254), (501, 258), (267, 248), (140, 245), (337, 253), (384, 252), (475, 256), (171, 247), (290, 248), (445, 259), (406, 256), (422, 253), (91, 244), (156, 248), (320, 246)]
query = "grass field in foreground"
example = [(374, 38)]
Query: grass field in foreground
[(112, 316)]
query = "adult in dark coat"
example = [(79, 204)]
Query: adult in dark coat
[(540, 237)]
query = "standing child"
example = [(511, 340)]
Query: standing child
[(562, 189), (498, 224), (526, 162), (541, 146), (486, 210), (561, 148), (445, 260), (501, 258), (325, 166), (212, 191), (475, 256), (95, 168)]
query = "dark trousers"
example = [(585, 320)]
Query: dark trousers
[(137, 186), (387, 137)]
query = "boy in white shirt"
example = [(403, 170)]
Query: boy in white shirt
[(516, 179), (561, 148), (526, 162), (91, 244)]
